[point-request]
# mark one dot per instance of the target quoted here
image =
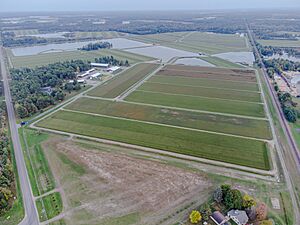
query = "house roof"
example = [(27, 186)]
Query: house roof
[(218, 217), (240, 215)]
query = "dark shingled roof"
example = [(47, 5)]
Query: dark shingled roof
[(219, 217)]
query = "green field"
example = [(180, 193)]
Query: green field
[(39, 172), (209, 43), (179, 89), (52, 206), (122, 82), (220, 62), (47, 58), (203, 82), (281, 43), (234, 150), (198, 103), (196, 120)]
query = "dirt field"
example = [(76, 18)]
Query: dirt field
[(102, 187)]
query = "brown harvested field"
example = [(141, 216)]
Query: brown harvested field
[(209, 73), (103, 185)]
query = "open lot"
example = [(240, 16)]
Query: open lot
[(196, 120), (131, 189), (228, 149), (46, 58), (209, 43), (122, 82)]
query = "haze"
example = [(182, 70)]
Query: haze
[(113, 5)]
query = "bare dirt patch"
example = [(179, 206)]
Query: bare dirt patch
[(115, 185)]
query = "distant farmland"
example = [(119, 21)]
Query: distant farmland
[(46, 58), (211, 113), (209, 43)]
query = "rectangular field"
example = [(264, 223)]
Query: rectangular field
[(204, 82), (209, 73), (198, 103), (195, 120), (209, 92), (222, 148), (122, 82), (46, 58)]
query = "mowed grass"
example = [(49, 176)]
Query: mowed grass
[(210, 43), (196, 120), (47, 58), (198, 103), (122, 82), (223, 148), (221, 93), (204, 82), (281, 43)]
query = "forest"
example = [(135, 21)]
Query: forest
[(7, 184)]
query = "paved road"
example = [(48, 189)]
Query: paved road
[(287, 132), (31, 215)]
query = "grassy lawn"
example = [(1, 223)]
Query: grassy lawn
[(53, 206), (122, 82), (233, 150), (210, 43), (198, 103), (280, 43), (46, 58), (221, 62), (202, 82), (196, 120), (40, 175), (203, 91)]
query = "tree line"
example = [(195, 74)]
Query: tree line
[(96, 46), (112, 61), (7, 184)]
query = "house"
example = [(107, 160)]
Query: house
[(47, 90), (219, 219), (101, 65), (238, 216)]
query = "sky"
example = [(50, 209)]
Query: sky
[(116, 5)]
